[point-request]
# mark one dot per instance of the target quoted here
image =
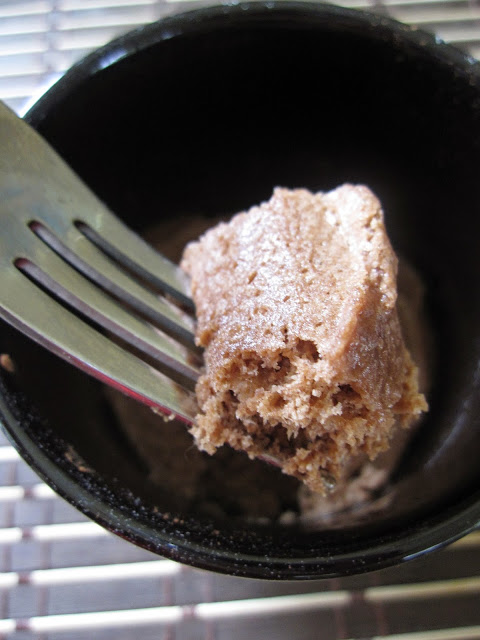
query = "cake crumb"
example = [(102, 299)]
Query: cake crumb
[(7, 363), (166, 417)]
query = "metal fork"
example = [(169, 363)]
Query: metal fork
[(67, 263)]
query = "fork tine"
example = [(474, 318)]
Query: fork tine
[(33, 312), (46, 267), (136, 254), (83, 255)]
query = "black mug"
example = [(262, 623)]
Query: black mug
[(205, 112)]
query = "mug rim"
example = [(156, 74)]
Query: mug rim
[(189, 21)]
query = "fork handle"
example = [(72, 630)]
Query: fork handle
[(29, 165)]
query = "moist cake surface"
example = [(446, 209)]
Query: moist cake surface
[(305, 360)]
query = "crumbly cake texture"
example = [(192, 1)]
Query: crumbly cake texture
[(304, 357)]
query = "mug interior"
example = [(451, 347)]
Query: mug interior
[(204, 114)]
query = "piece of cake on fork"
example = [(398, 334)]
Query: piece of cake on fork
[(305, 362)]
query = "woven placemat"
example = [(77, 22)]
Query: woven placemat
[(64, 577)]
